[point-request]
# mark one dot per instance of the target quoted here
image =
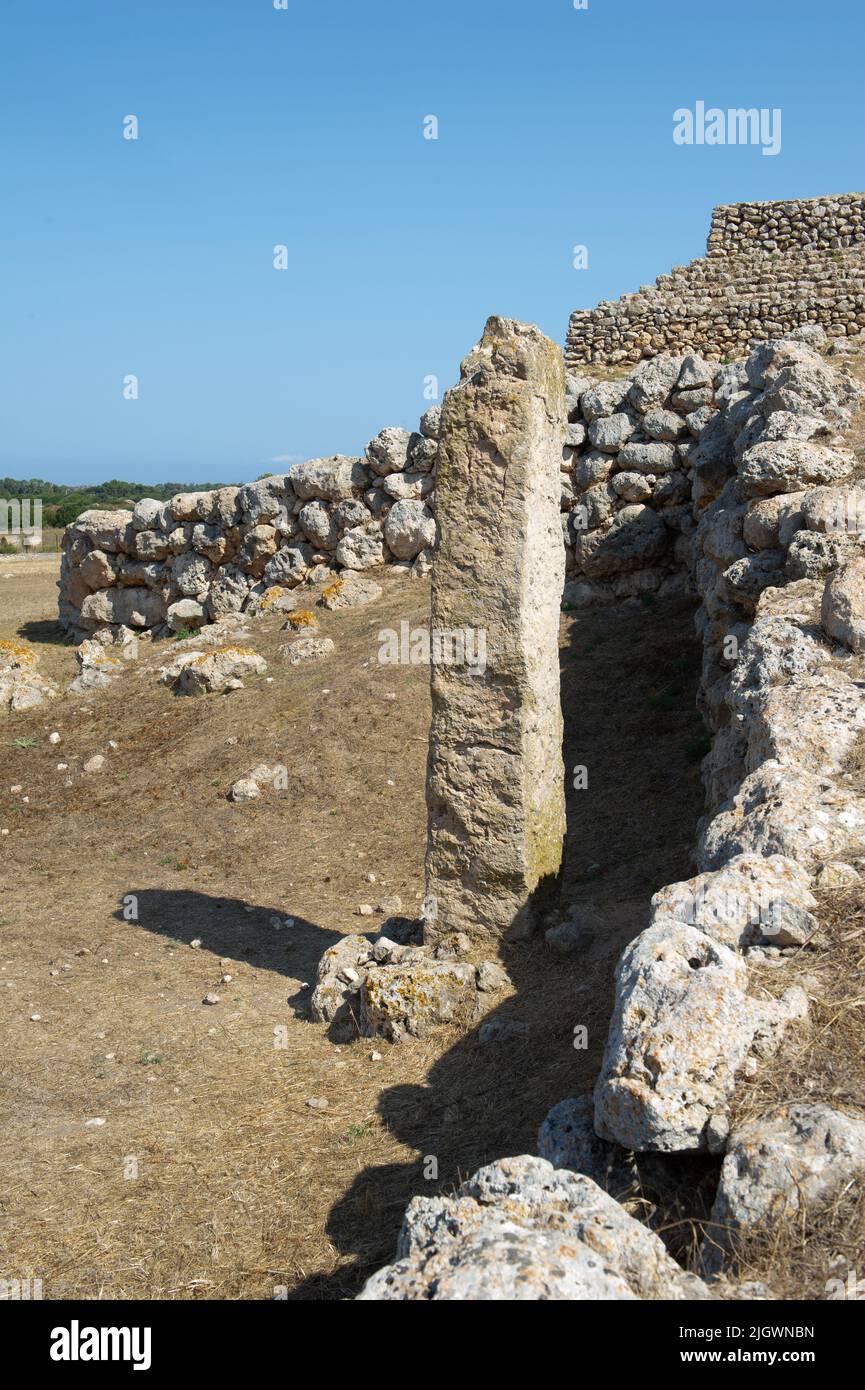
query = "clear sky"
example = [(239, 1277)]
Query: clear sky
[(303, 126)]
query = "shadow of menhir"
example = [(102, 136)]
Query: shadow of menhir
[(629, 681), (45, 630), (233, 929)]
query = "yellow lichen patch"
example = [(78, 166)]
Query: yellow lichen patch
[(300, 619), (331, 590), (16, 654), (223, 651), (269, 597)]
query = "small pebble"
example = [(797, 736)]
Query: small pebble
[(364, 910), (316, 1103), (210, 998), (35, 1018), (54, 738), (375, 1056), (226, 979), (95, 1123), (195, 943)]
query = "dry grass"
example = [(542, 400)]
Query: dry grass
[(241, 1188), (821, 1061)]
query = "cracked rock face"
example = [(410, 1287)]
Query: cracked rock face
[(495, 786), (520, 1230), (682, 1027)]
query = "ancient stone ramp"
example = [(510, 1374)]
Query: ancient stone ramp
[(770, 268)]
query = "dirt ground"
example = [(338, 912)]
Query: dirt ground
[(208, 1176)]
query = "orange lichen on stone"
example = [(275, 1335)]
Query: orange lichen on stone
[(301, 618), (16, 654), (270, 596)]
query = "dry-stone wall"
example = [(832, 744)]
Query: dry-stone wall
[(173, 566), (770, 268)]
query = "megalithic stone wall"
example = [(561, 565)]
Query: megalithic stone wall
[(495, 786), (770, 268)]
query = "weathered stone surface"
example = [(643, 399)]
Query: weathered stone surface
[(610, 432), (751, 899), (843, 608), (307, 649), (111, 531), (682, 1026), (351, 592), (648, 458), (835, 509), (409, 528), (388, 452), (289, 566), (362, 548), (796, 1158), (341, 972), (635, 536), (520, 1230), (567, 1139), (417, 997), (132, 607), (206, 672), (783, 810), (791, 466), (332, 479), (495, 789)]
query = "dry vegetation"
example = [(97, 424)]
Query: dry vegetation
[(241, 1189), (823, 1061)]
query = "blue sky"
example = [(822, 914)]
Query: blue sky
[(304, 127)]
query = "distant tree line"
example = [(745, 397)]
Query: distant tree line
[(61, 504)]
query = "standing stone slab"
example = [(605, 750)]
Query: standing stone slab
[(495, 784)]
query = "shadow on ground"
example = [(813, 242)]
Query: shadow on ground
[(232, 929), (629, 680)]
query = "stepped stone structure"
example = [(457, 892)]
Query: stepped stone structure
[(495, 786), (770, 268)]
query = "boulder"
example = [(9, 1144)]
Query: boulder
[(682, 1027), (843, 607), (207, 672), (793, 1160), (791, 465), (307, 649), (332, 479), (388, 451), (415, 997), (751, 899), (635, 536), (409, 528), (610, 432), (519, 1230), (362, 548), (784, 810)]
